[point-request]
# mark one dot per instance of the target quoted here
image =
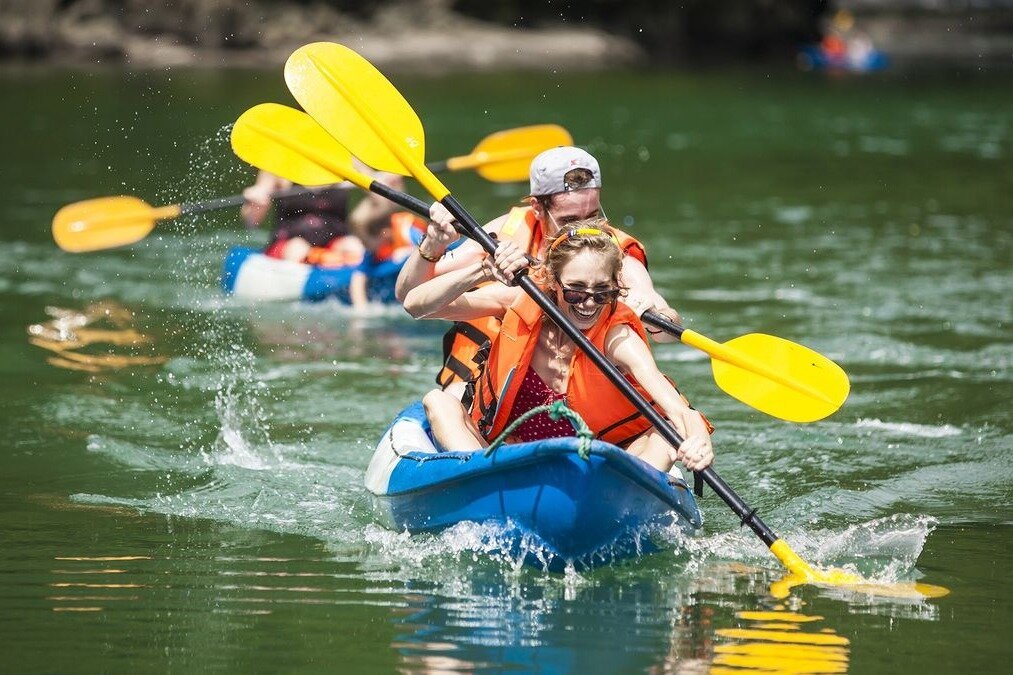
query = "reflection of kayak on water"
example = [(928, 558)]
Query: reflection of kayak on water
[(546, 503)]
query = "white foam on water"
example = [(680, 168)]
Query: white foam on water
[(789, 294), (881, 550), (910, 428), (793, 215)]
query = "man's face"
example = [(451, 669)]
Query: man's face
[(569, 207)]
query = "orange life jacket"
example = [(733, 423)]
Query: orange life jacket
[(332, 255), (401, 225), (465, 344), (607, 412)]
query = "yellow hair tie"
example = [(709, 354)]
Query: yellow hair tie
[(577, 231)]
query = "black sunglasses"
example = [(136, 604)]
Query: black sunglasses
[(575, 296)]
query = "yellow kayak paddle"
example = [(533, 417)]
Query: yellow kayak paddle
[(505, 156), (109, 222), (289, 143), (357, 105), (773, 375)]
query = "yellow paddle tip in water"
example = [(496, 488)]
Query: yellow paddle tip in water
[(800, 573), (853, 583)]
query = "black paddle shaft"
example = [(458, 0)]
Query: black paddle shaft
[(400, 198), (237, 200), (663, 322), (739, 507)]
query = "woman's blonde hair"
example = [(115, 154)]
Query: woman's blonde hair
[(592, 234)]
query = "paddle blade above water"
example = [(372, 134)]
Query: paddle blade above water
[(106, 222), (289, 143), (505, 156), (349, 97), (810, 387)]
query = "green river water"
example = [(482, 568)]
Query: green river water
[(201, 507)]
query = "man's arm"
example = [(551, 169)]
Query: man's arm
[(640, 286)]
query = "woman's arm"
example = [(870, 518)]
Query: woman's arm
[(448, 296), (625, 348), (439, 235)]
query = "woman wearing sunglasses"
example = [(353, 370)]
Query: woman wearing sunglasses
[(532, 362)]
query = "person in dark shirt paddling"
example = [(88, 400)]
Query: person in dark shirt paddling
[(315, 227)]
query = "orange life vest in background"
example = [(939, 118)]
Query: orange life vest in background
[(463, 343), (334, 255), (401, 225), (611, 417)]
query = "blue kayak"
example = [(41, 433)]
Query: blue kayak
[(548, 504), (248, 273)]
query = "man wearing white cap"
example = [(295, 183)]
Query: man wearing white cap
[(565, 188)]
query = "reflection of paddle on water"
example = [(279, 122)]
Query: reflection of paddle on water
[(780, 641), (68, 331)]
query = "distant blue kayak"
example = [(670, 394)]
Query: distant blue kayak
[(248, 273), (547, 503)]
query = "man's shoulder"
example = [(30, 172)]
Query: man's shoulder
[(497, 224)]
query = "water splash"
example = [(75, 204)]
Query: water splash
[(910, 428)]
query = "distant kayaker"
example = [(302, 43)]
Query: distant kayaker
[(315, 227), (388, 240), (565, 186), (531, 361)]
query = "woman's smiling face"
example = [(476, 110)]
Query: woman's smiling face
[(586, 271)]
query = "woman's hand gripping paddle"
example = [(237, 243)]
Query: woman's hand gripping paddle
[(773, 375), (356, 104)]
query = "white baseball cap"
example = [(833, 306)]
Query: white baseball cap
[(549, 168)]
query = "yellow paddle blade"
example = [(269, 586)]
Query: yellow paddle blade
[(347, 95), (106, 222), (505, 156), (776, 376), (800, 572), (289, 143)]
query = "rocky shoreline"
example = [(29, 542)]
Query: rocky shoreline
[(431, 36), (420, 36)]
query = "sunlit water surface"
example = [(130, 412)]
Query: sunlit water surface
[(182, 484)]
